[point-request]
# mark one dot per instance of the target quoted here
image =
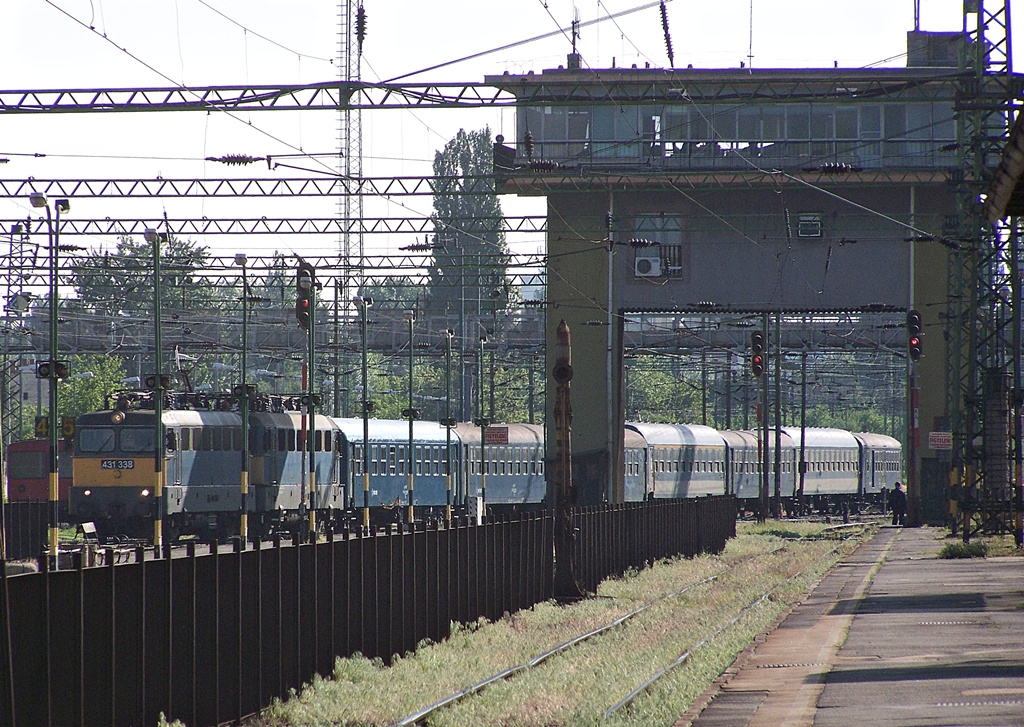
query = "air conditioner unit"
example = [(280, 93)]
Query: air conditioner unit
[(647, 267)]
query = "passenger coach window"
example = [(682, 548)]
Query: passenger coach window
[(96, 440)]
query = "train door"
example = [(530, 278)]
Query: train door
[(172, 458)]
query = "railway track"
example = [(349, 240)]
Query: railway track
[(738, 611)]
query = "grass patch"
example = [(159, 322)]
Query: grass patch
[(977, 549), (576, 687), (989, 546)]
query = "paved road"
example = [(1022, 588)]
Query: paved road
[(892, 637)]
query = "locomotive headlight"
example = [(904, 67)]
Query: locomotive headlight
[(117, 417), (87, 493), (145, 493)]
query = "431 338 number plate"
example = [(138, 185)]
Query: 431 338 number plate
[(117, 464)]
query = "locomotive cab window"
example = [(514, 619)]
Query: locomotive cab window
[(96, 440), (137, 440)]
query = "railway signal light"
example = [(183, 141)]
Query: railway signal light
[(52, 369), (758, 359), (914, 333), (305, 277)]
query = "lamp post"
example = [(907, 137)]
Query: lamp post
[(448, 423), (412, 414), (38, 200), (157, 239), (483, 422), (243, 402), (306, 281), (364, 303)]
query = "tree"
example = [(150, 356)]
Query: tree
[(470, 258), (122, 281), (92, 378)]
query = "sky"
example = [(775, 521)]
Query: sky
[(51, 44)]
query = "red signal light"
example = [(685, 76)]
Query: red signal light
[(914, 348)]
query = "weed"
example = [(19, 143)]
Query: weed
[(977, 549)]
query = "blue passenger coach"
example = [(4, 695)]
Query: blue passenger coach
[(686, 460)]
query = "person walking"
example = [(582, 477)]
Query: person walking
[(898, 505)]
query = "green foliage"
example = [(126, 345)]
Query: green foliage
[(470, 256), (79, 393), (122, 281), (657, 390), (977, 549), (868, 419)]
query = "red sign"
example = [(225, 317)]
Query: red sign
[(940, 440), (496, 435)]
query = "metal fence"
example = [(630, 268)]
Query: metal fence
[(213, 638), (25, 529)]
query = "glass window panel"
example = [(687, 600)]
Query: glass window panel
[(919, 121), (724, 122), (675, 125), (772, 123), (821, 122), (870, 122), (554, 125), (846, 122), (945, 125), (96, 440), (895, 121), (798, 122), (749, 118), (531, 119)]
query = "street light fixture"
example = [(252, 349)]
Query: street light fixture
[(38, 200)]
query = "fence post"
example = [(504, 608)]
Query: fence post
[(7, 712)]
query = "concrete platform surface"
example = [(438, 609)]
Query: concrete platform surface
[(892, 636)]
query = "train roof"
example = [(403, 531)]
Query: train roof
[(739, 438), (750, 436), (391, 430), (634, 440), (822, 437), (502, 433), (288, 419), (670, 434), (877, 441), (198, 418)]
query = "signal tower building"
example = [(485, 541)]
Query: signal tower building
[(765, 192)]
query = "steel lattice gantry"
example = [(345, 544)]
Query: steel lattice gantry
[(983, 312)]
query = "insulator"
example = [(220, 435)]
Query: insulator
[(528, 144), (360, 27), (668, 38), (235, 159), (542, 165)]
